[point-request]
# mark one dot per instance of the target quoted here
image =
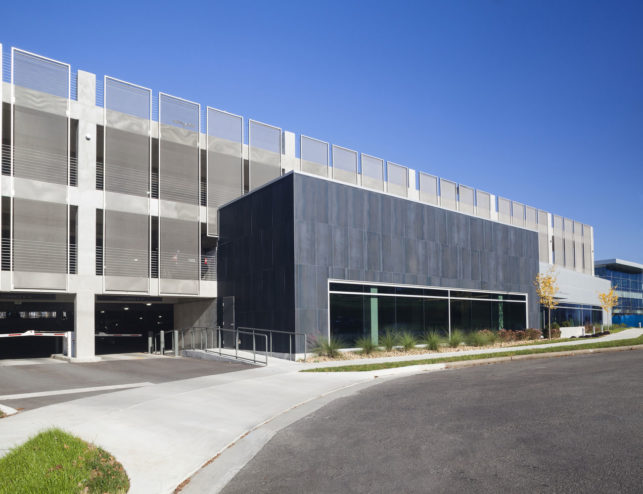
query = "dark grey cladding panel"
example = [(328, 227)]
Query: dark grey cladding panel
[(290, 237), (256, 255)]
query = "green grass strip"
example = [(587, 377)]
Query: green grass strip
[(458, 358), (56, 462)]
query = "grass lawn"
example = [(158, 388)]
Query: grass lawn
[(56, 462), (458, 358)]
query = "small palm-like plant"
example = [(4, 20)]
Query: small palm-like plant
[(388, 340), (407, 340), (366, 344), (456, 338), (432, 340), (328, 347)]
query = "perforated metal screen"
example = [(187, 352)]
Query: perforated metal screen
[(264, 143), (504, 210), (428, 188), (483, 204), (314, 156), (587, 250), (179, 228), (578, 246), (397, 179), (543, 236), (559, 245), (372, 172), (126, 175), (448, 194), (517, 214), (344, 165), (40, 153), (225, 162), (466, 199), (531, 218), (568, 236)]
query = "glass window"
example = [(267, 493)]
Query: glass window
[(436, 315)]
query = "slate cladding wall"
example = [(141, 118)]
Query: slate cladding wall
[(255, 256), (349, 233)]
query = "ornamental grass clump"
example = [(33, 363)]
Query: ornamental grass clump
[(407, 341), (432, 340), (388, 340), (456, 338), (328, 347), (366, 344)]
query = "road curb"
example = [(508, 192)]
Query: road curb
[(8, 411)]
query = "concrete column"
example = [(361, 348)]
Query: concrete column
[(86, 288)]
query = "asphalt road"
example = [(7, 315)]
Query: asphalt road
[(571, 424), (56, 376)]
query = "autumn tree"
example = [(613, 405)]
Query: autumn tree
[(547, 288), (608, 300)]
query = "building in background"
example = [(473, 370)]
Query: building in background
[(126, 211), (627, 280)]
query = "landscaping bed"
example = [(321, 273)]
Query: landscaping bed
[(56, 462), (457, 358), (396, 344)]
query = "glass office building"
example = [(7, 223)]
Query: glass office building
[(627, 280)]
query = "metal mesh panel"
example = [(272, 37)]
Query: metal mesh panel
[(344, 165), (40, 118), (126, 251), (372, 172), (543, 236), (397, 179), (178, 150), (448, 194), (39, 244), (504, 210), (587, 249), (314, 156), (179, 226), (126, 162), (466, 199), (225, 162), (578, 246), (178, 259), (517, 214), (126, 178), (428, 188), (264, 143), (559, 249), (483, 204), (531, 218), (568, 235)]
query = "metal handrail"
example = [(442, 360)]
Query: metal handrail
[(212, 340), (291, 335)]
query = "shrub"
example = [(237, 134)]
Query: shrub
[(488, 336), (555, 325), (366, 344), (506, 335), (456, 338), (533, 334), (432, 340), (407, 340), (520, 335), (567, 324), (555, 332), (388, 340), (328, 347)]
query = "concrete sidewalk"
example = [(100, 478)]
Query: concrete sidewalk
[(164, 433)]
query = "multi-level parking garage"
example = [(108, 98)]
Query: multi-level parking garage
[(125, 212)]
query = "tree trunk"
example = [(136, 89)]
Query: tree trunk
[(549, 311)]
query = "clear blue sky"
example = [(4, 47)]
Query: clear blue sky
[(537, 101)]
